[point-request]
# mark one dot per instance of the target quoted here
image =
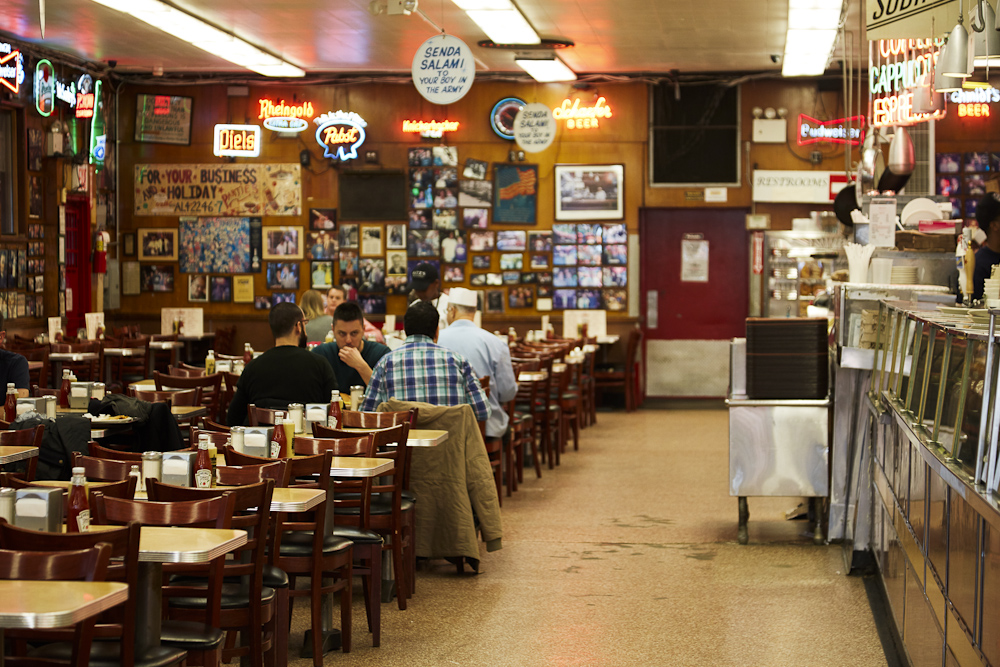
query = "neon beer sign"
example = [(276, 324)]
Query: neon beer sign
[(340, 133), (578, 117), (85, 98), (281, 117), (430, 129), (11, 68), (812, 131), (975, 103)]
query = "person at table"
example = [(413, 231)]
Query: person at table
[(421, 370), (287, 373), (350, 355), (13, 366), (988, 217), (337, 296), (320, 321), (488, 355), (425, 284)]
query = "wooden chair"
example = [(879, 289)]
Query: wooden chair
[(133, 367), (301, 549), (494, 447), (162, 359), (99, 452), (233, 475), (570, 404), (624, 377), (248, 607), (261, 416), (209, 385), (355, 494), (85, 371), (526, 408), (103, 470), (170, 397), (185, 371), (24, 438), (40, 353), (209, 425), (88, 564), (217, 438), (224, 338), (38, 392), (229, 381)]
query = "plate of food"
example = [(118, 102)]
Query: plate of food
[(108, 419)]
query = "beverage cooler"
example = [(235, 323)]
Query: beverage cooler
[(797, 266)]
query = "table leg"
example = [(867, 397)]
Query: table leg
[(56, 380), (331, 635), (107, 370), (742, 535), (148, 608), (818, 536)]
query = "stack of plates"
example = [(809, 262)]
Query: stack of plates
[(904, 275)]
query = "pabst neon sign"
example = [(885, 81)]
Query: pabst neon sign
[(578, 117), (282, 117), (340, 133), (812, 131), (11, 68)]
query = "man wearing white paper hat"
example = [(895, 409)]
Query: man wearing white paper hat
[(488, 355)]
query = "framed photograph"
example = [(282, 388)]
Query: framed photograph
[(282, 275), (515, 193), (544, 292), (564, 234), (372, 276), (445, 198), (564, 299), (395, 237), (420, 157), (282, 297), (511, 277), (445, 219), (588, 255), (564, 276), (396, 263), (615, 233), (475, 169), (156, 278), (949, 186), (521, 297), (481, 241), (445, 156), (221, 290), (476, 217), (590, 276), (975, 185), (494, 279), (157, 245), (512, 240), (322, 245), (372, 305), (322, 274), (420, 218), (163, 119), (34, 196), (970, 209), (529, 278), (977, 161), (198, 288), (36, 148), (564, 255), (615, 276), (395, 284), (283, 242), (220, 245), (511, 261), (348, 264), (475, 193), (454, 273), (323, 219), (540, 241), (494, 301), (615, 300), (371, 241), (128, 244), (589, 233), (424, 243), (949, 163), (262, 303), (539, 261), (348, 236), (477, 279), (481, 261), (453, 246), (590, 191), (243, 289), (588, 299)]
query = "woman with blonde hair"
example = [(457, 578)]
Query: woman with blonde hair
[(320, 324)]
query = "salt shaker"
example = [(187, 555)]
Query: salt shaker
[(7, 504), (236, 433), (152, 465), (295, 414)]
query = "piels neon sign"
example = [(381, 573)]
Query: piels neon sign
[(11, 68), (340, 133), (582, 117), (237, 140), (430, 129), (812, 131), (282, 117)]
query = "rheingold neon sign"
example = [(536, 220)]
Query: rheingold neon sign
[(812, 131), (340, 133), (11, 68), (282, 117), (578, 117)]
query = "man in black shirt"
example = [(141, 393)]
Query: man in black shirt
[(988, 217), (287, 373), (351, 356), (13, 366)]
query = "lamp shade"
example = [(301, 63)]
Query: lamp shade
[(943, 83), (925, 98), (954, 59), (986, 44), (901, 158)]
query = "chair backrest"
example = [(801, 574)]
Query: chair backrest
[(261, 416), (192, 371), (347, 492), (182, 372), (317, 468), (98, 452), (208, 513), (37, 392), (28, 437), (209, 385), (217, 438), (632, 351), (40, 353), (234, 457), (224, 338), (210, 425), (89, 564), (358, 419), (232, 475), (178, 397), (103, 470)]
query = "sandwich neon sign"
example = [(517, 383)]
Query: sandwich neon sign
[(237, 140), (812, 131), (582, 117), (11, 68), (430, 129), (282, 117), (340, 133)]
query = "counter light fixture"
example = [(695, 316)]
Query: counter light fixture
[(813, 26), (944, 83), (546, 70), (207, 37), (500, 20), (954, 59)]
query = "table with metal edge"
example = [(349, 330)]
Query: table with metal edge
[(418, 437), (12, 454), (532, 376), (57, 359)]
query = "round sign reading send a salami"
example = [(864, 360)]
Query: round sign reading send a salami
[(443, 69), (534, 128)]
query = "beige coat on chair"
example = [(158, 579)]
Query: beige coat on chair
[(451, 481)]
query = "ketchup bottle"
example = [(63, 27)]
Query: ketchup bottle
[(279, 443), (10, 403), (64, 389), (334, 415), (78, 512), (247, 353), (203, 465)]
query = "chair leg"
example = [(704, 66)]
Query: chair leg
[(400, 570), (316, 609), (535, 457), (345, 607), (373, 603), (281, 624)]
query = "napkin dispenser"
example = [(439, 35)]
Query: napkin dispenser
[(257, 441), (314, 412), (39, 508), (178, 468), (79, 395), (29, 404)]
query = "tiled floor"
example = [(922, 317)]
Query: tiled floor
[(627, 555)]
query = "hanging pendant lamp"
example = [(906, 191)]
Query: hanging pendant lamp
[(954, 59), (901, 157), (943, 83), (986, 42)]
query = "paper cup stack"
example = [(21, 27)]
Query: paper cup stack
[(991, 292)]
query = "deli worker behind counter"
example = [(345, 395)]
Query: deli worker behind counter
[(988, 217)]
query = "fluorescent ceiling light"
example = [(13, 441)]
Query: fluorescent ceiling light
[(473, 5), (813, 19), (505, 26), (813, 65), (815, 4), (197, 32), (546, 71)]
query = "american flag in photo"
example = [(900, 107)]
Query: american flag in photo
[(510, 187)]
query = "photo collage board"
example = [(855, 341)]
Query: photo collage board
[(962, 178)]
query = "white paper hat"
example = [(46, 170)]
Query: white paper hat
[(463, 297)]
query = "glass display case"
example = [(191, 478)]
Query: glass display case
[(797, 267)]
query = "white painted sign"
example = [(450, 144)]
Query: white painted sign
[(805, 187), (694, 261), (717, 195), (892, 19), (882, 230), (443, 69), (534, 127)]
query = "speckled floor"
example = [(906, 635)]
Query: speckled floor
[(627, 555)]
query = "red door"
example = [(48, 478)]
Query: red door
[(694, 297), (77, 262)]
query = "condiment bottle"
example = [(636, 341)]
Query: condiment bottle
[(247, 353), (279, 441), (203, 465), (7, 504), (210, 362), (334, 413), (10, 403), (329, 336), (135, 472), (237, 433), (64, 389), (78, 511)]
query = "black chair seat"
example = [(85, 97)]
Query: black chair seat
[(190, 635), (108, 653), (378, 507), (357, 535), (274, 577), (233, 597), (298, 543), (408, 495)]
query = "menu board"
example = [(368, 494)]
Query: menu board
[(218, 189), (163, 119)]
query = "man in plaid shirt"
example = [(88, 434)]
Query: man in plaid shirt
[(421, 370)]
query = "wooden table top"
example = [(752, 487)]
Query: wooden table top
[(73, 356), (56, 604), (181, 411), (165, 345), (35, 365), (532, 376), (283, 500), (358, 466), (167, 544), (10, 454), (418, 437)]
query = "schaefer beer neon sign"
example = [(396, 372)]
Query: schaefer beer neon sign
[(282, 117), (578, 117), (340, 133)]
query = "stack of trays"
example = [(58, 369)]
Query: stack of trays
[(787, 358), (904, 275)]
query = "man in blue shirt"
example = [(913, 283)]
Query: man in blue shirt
[(13, 366), (351, 356), (420, 370), (489, 356)]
